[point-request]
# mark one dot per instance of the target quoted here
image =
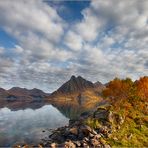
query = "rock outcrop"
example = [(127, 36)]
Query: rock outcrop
[(80, 133)]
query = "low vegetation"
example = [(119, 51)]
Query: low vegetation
[(130, 100), (120, 122)]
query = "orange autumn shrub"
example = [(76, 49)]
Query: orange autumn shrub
[(128, 94), (118, 89), (142, 87)]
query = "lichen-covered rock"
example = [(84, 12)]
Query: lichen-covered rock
[(91, 135), (119, 119), (85, 145), (77, 143), (129, 136), (53, 145), (85, 130), (110, 116), (101, 113), (69, 144), (85, 139), (74, 130), (57, 137), (94, 142), (80, 134), (98, 136), (93, 132), (106, 146)]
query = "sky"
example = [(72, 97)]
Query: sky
[(43, 43)]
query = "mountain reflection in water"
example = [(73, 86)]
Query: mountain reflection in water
[(26, 126)]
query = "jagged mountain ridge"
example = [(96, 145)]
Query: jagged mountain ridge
[(77, 93), (76, 85), (98, 84)]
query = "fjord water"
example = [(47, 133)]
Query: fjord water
[(27, 126)]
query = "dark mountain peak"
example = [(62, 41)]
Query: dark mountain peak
[(36, 90), (98, 83), (99, 86), (13, 88), (18, 89), (75, 84), (73, 77), (76, 79), (24, 92), (2, 90), (80, 78)]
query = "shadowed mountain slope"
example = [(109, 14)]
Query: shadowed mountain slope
[(27, 92), (20, 97), (77, 94), (75, 84)]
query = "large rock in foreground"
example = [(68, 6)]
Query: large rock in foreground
[(83, 132)]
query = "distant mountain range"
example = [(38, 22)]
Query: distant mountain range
[(29, 92), (17, 92), (76, 91), (20, 97)]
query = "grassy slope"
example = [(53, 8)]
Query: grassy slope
[(135, 124), (139, 133)]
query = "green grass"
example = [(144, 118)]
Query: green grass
[(139, 135), (93, 123), (135, 123)]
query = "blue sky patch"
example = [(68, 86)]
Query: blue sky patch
[(70, 11), (6, 40)]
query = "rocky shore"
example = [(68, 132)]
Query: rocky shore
[(90, 130)]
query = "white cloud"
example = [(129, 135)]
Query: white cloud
[(21, 16), (90, 26), (120, 39), (110, 40), (73, 41), (18, 49), (1, 50), (37, 27)]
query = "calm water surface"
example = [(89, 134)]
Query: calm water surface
[(26, 126)]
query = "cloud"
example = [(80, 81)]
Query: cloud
[(21, 16), (109, 41), (90, 26), (18, 49), (73, 41), (1, 50), (119, 31), (37, 27)]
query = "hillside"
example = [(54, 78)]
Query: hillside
[(121, 122), (78, 94), (17, 97), (74, 85), (130, 100)]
